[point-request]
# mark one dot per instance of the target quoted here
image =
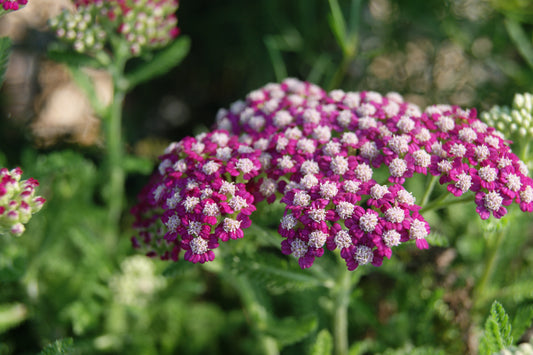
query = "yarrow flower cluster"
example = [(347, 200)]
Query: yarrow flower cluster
[(142, 24), (11, 5), (317, 153), (17, 201)]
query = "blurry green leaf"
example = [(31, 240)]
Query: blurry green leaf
[(497, 335), (409, 349), (178, 268), (83, 80), (276, 273), (160, 63), (323, 344), (134, 164), (12, 315), (280, 70), (521, 40), (522, 321), (361, 347), (290, 330), (337, 24), (5, 50), (59, 347), (60, 54)]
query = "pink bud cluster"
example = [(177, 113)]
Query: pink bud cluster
[(321, 155), (11, 5), (17, 201), (142, 24)]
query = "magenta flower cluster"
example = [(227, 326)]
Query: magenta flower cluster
[(12, 5), (319, 154), (17, 201)]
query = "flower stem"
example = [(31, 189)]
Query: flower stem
[(429, 190), (490, 263), (342, 293), (443, 201), (115, 154)]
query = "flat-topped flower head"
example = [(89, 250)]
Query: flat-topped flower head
[(337, 161)]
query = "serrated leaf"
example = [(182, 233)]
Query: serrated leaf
[(323, 344), (290, 330), (161, 62), (5, 51), (59, 347), (276, 273), (497, 335)]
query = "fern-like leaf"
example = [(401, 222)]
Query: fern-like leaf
[(497, 335)]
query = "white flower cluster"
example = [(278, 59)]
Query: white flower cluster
[(137, 282)]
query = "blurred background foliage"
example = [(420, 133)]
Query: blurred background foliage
[(70, 277)]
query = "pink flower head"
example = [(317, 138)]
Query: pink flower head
[(337, 161)]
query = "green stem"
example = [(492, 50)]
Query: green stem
[(429, 190), (114, 145), (442, 201), (490, 263), (342, 293)]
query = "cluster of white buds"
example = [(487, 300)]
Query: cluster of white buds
[(514, 122), (81, 29), (141, 24), (17, 201)]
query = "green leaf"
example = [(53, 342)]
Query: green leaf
[(521, 40), (275, 273), (337, 24), (66, 56), (290, 330), (5, 50), (160, 63), (85, 83), (323, 344), (12, 315), (522, 321), (59, 347), (497, 335)]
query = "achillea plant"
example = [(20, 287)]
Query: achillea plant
[(320, 155), (17, 201)]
